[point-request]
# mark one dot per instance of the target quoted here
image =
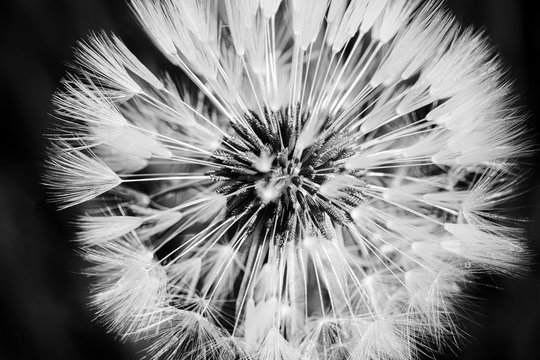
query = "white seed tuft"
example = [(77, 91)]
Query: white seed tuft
[(75, 177), (314, 180)]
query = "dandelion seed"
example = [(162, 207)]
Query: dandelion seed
[(131, 293), (100, 229), (74, 177), (327, 192), (109, 63)]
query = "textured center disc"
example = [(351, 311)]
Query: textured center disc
[(285, 185)]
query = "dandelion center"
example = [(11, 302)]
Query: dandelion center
[(271, 178)]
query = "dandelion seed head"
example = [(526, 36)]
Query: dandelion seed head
[(320, 180)]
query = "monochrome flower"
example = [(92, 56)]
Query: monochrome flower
[(320, 180)]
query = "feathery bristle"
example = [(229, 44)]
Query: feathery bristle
[(322, 183)]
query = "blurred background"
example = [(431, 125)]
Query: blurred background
[(42, 294)]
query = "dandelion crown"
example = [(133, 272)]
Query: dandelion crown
[(321, 180)]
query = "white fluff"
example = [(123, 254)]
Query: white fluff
[(96, 230), (131, 294), (321, 179), (75, 177)]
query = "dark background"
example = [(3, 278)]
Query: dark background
[(42, 296)]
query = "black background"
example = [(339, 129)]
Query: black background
[(42, 296)]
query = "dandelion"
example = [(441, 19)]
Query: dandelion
[(321, 181)]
